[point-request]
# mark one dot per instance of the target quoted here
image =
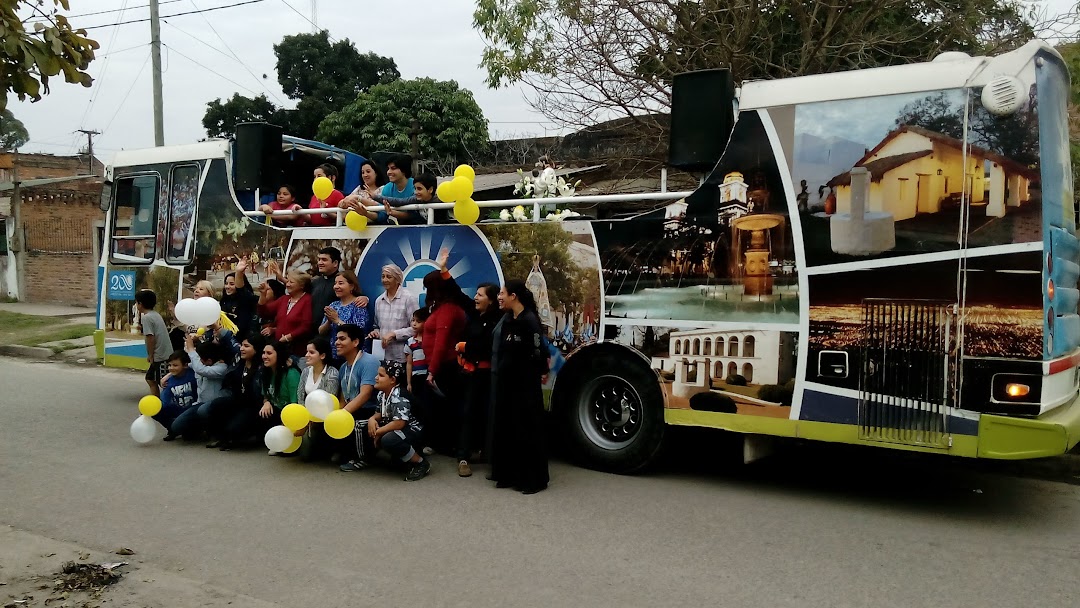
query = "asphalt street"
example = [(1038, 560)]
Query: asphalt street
[(812, 527)]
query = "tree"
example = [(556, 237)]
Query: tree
[(13, 134), (595, 59), (452, 125), (28, 59), (321, 76), (221, 119)]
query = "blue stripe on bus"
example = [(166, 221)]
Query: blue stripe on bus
[(100, 295), (827, 407), (127, 350)]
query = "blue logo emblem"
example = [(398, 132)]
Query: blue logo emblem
[(121, 285), (415, 251)]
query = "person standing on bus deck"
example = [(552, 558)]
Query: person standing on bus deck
[(424, 187), (330, 172), (158, 345), (519, 364), (393, 314), (291, 314), (399, 174), (284, 201)]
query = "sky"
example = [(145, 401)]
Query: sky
[(218, 53)]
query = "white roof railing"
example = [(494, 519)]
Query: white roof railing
[(535, 203)]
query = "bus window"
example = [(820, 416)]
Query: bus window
[(135, 215), (183, 194)]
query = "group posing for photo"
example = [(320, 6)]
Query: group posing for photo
[(460, 377)]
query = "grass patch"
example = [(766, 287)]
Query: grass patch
[(57, 333), (17, 321)]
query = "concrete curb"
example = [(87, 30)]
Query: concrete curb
[(17, 350)]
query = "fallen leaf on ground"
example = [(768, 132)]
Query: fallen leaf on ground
[(84, 556), (124, 551)]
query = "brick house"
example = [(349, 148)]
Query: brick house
[(63, 227)]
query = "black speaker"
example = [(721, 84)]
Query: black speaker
[(702, 116), (257, 162)]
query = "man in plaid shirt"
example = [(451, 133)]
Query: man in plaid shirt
[(393, 314)]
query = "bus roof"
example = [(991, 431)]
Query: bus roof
[(218, 148), (945, 72)]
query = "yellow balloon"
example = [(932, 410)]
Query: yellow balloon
[(322, 187), (465, 171), (295, 445), (149, 405), (463, 187), (295, 416), (466, 212), (355, 221), (447, 192), (337, 402), (339, 424), (200, 331)]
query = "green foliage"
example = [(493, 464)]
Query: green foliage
[(13, 134), (321, 76), (29, 58), (452, 125), (567, 282)]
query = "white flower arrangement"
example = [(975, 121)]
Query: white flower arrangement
[(519, 214), (545, 185)]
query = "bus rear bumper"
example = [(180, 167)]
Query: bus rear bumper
[(1051, 434)]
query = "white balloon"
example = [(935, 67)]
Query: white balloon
[(186, 311), (278, 439), (319, 404), (207, 310), (144, 429)]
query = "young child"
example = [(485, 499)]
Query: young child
[(393, 427), (210, 369), (158, 346), (415, 361), (180, 391)]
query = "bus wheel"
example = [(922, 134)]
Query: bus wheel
[(615, 416)]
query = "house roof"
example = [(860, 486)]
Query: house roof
[(940, 138), (878, 168), (30, 183)]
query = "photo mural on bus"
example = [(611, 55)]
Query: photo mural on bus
[(1002, 316), (886, 176), (723, 253), (733, 371), (183, 196), (559, 263), (304, 254)]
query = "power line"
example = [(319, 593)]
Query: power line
[(128, 94), (205, 10), (224, 54), (308, 19), (111, 10), (222, 76), (104, 69), (235, 56)]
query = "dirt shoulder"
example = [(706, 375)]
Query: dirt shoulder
[(31, 576)]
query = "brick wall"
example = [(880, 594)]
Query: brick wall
[(61, 265)]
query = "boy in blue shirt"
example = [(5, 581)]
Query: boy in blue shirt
[(357, 381), (399, 174), (179, 391)]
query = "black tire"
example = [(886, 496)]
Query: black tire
[(612, 413)]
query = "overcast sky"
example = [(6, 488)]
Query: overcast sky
[(425, 37)]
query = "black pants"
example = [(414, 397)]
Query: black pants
[(445, 412), (472, 432), (247, 423)]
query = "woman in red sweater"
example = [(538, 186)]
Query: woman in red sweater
[(443, 329), (291, 314)]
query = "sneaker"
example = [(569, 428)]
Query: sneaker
[(419, 470), (225, 446), (215, 444), (463, 469), (428, 451), (271, 453), (533, 489), (354, 465), (169, 437)]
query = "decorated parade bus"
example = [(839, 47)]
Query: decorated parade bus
[(884, 257)]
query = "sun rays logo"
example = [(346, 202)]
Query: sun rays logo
[(415, 251)]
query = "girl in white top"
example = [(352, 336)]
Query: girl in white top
[(317, 374)]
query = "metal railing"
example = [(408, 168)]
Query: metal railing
[(535, 203)]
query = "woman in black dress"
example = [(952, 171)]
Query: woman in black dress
[(519, 364), (474, 354)]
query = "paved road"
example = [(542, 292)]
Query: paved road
[(806, 530)]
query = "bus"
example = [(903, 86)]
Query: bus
[(884, 257)]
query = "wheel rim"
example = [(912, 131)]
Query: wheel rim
[(610, 412)]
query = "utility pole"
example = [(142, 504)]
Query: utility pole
[(90, 145), (18, 235), (314, 16), (155, 55)]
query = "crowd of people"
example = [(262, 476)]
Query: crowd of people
[(460, 377), (392, 189)]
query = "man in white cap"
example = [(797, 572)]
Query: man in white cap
[(393, 314)]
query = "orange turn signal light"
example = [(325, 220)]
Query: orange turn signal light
[(1050, 289), (1014, 389)]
